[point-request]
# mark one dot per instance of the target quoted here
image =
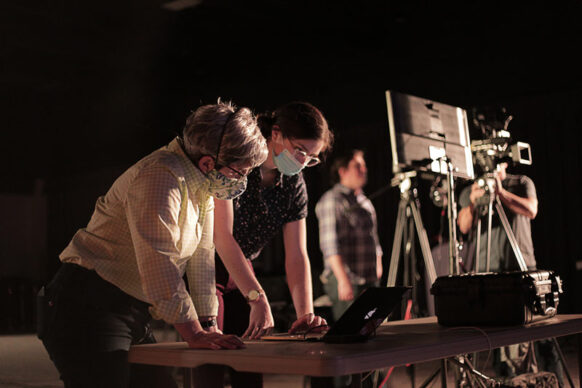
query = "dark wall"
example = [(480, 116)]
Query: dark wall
[(91, 88)]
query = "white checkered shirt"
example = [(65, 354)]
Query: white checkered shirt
[(154, 224)]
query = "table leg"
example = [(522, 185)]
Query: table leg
[(579, 335), (187, 374)]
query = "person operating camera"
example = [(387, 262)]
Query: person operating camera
[(518, 196)]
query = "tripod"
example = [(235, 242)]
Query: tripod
[(531, 362), (407, 221), (407, 207), (508, 232)]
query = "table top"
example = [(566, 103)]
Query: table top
[(396, 343)]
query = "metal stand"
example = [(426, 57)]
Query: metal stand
[(408, 207), (452, 216), (407, 221), (518, 255), (508, 231)]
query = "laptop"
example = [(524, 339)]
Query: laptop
[(358, 322)]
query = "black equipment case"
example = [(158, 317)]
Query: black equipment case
[(507, 298)]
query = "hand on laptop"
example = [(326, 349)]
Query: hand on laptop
[(261, 320), (309, 323)]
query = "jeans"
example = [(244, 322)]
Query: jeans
[(87, 326)]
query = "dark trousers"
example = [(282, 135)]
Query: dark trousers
[(87, 326)]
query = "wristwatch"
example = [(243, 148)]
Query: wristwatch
[(208, 323), (254, 295)]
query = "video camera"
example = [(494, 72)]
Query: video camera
[(496, 147)]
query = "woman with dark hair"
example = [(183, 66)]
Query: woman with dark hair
[(276, 199)]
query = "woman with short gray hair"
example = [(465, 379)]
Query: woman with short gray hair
[(154, 225)]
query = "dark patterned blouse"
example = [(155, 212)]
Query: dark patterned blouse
[(260, 212)]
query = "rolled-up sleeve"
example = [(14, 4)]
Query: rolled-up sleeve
[(326, 216), (154, 203)]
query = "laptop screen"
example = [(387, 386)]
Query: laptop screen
[(367, 312)]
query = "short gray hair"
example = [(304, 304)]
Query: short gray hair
[(241, 142)]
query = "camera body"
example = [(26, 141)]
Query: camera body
[(488, 153), (497, 145)]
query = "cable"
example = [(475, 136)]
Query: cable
[(482, 332)]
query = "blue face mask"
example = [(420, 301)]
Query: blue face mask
[(287, 164)]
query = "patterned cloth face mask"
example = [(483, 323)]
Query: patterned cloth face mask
[(219, 185), (222, 187)]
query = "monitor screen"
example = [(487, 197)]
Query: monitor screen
[(423, 131)]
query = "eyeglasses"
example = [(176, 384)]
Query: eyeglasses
[(301, 155), (233, 172)]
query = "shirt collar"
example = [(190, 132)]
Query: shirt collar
[(344, 189), (176, 147), (256, 174)]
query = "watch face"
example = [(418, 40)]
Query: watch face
[(254, 295)]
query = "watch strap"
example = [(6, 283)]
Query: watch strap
[(254, 295), (208, 323)]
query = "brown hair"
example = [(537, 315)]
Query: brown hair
[(298, 120), (341, 160)]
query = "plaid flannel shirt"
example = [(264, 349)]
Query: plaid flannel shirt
[(347, 227)]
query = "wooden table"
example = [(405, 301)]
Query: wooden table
[(396, 343)]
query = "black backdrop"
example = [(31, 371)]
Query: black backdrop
[(90, 88)]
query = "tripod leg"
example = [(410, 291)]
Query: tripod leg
[(424, 245), (397, 243), (510, 235), (409, 256), (444, 373), (490, 218), (454, 259), (478, 246), (410, 369), (563, 361), (430, 378)]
